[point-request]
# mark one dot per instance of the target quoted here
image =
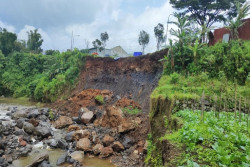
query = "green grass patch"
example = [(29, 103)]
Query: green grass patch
[(130, 110), (100, 99), (222, 141), (181, 87)]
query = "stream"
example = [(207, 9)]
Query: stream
[(38, 148)]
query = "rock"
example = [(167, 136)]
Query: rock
[(24, 151), (19, 122), (62, 159), (73, 128), (69, 136), (107, 140), (33, 114), (62, 144), (106, 152), (87, 117), (28, 127), (97, 149), (54, 143), (34, 122), (44, 164), (8, 158), (77, 155), (63, 122), (42, 131), (23, 143), (83, 144), (19, 114), (127, 142), (126, 125), (39, 160), (80, 134), (117, 146)]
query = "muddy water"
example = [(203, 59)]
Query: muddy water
[(54, 155), (5, 103)]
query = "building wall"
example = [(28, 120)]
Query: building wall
[(244, 33)]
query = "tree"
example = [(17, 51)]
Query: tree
[(234, 24), (159, 35), (98, 45), (182, 30), (207, 12), (7, 41), (34, 41), (104, 39), (143, 39)]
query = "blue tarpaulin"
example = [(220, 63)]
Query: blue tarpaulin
[(137, 53)]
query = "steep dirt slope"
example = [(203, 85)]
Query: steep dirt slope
[(133, 77)]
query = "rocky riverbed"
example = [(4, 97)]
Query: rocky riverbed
[(31, 136), (28, 138)]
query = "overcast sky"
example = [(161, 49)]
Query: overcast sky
[(56, 19)]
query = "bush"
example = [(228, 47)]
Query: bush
[(174, 78)]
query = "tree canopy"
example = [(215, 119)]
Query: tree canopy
[(7, 41), (143, 39), (207, 12), (34, 41), (159, 35), (104, 38)]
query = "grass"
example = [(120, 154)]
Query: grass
[(222, 141), (130, 110), (100, 99), (191, 87)]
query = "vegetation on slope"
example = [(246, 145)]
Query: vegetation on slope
[(40, 77), (222, 141)]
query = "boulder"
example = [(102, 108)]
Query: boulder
[(117, 146), (87, 117), (77, 156), (63, 122), (80, 134), (34, 122), (73, 128), (20, 114), (107, 140), (62, 144), (42, 131), (83, 144), (106, 152), (44, 164), (28, 127), (33, 113), (97, 149), (39, 160), (69, 136), (62, 159), (126, 125), (127, 142), (19, 122)]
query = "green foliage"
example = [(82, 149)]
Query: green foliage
[(159, 35), (130, 110), (215, 141), (206, 12), (34, 41), (7, 41), (100, 99), (192, 87), (51, 115), (143, 39), (174, 78), (40, 77)]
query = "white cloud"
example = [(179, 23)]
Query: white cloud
[(7, 26)]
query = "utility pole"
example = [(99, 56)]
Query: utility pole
[(72, 40)]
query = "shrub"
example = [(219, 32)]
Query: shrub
[(174, 78)]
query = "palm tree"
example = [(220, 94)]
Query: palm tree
[(235, 24)]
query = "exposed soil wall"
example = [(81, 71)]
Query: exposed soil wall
[(132, 77)]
